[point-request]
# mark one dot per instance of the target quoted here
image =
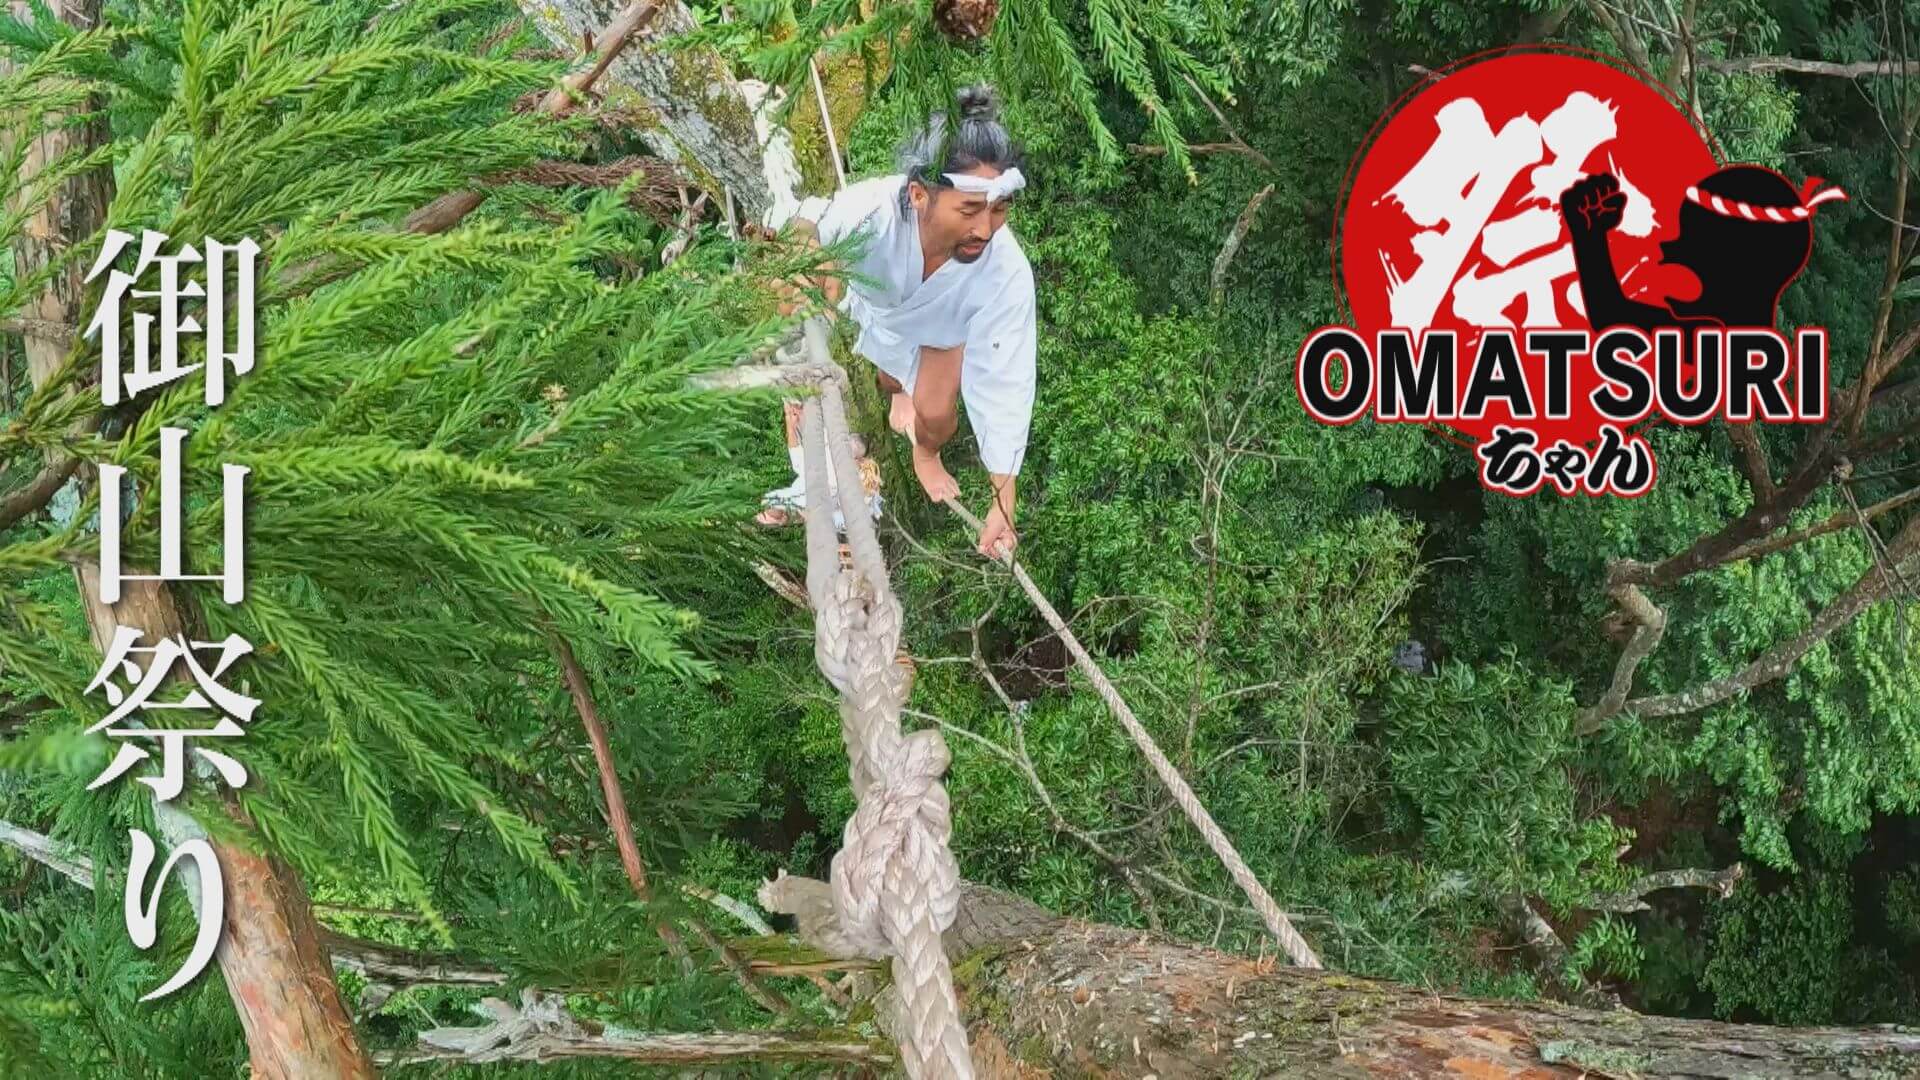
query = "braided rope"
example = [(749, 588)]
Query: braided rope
[(896, 885)]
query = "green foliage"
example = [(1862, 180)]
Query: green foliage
[(1607, 946), (1782, 955), (1479, 762), (1164, 57)]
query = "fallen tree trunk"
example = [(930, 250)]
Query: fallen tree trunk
[(1046, 996), (1098, 1000)]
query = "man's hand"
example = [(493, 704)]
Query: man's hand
[(997, 538), (803, 235)]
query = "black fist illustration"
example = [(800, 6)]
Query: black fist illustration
[(1593, 205)]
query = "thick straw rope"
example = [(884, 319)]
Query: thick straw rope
[(896, 886)]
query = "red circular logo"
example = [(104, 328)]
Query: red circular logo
[(1452, 219)]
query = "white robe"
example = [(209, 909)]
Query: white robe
[(986, 305)]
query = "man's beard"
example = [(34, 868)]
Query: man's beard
[(964, 255)]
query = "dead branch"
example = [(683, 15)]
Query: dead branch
[(1759, 65), (1550, 955), (1227, 125), (622, 828), (782, 585), (747, 916), (447, 211), (1632, 900), (40, 328), (655, 196), (542, 1029), (617, 819), (765, 996), (49, 853), (1235, 237), (402, 968)]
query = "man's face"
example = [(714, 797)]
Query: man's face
[(955, 223)]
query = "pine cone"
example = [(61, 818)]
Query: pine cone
[(965, 20)]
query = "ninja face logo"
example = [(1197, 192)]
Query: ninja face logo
[(1540, 253)]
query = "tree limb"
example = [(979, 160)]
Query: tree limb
[(1753, 460), (1841, 519), (1235, 238), (1757, 65), (49, 853), (37, 492), (1623, 33), (1550, 955), (542, 1029), (1875, 584), (616, 802), (668, 1049), (399, 967), (622, 827), (447, 211), (1649, 624), (1632, 900), (58, 332)]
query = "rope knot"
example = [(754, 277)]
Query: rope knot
[(894, 861)]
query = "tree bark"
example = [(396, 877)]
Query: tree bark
[(1051, 997), (270, 951), (1086, 1000), (704, 122)]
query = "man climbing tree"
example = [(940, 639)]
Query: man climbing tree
[(943, 298)]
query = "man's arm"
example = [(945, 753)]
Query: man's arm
[(999, 390), (821, 222), (792, 298)]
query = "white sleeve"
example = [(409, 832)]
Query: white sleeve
[(850, 208), (998, 373)]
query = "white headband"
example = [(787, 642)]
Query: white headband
[(995, 189)]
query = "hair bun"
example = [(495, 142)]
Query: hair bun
[(978, 103)]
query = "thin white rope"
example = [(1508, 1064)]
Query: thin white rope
[(1277, 922), (826, 121)]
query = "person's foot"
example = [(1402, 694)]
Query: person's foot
[(772, 517), (900, 415), (934, 477)]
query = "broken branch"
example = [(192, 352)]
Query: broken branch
[(1632, 900)]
